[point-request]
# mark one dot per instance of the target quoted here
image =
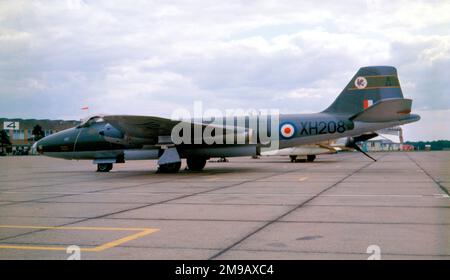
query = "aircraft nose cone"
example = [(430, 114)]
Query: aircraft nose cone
[(57, 144), (34, 148), (38, 147)]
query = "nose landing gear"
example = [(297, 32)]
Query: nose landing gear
[(104, 167)]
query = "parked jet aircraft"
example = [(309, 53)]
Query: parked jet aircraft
[(372, 100), (307, 152), (310, 151)]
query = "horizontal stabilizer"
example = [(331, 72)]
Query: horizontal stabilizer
[(385, 110)]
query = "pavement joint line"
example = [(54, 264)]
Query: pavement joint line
[(38, 200), (111, 176), (104, 192), (58, 184), (14, 190), (281, 251), (313, 205), (84, 193), (146, 205), (299, 222), (441, 187), (178, 203), (133, 247), (339, 252), (70, 202), (291, 210), (357, 195), (374, 206), (310, 252), (27, 179), (125, 246), (256, 221), (48, 199)]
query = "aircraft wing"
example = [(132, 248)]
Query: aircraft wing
[(152, 128), (141, 126)]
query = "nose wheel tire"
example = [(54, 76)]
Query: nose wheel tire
[(104, 167), (196, 164), (170, 167), (293, 158)]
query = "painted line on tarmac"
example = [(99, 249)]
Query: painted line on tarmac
[(141, 232)]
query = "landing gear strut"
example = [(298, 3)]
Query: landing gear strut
[(196, 163), (104, 167), (169, 161)]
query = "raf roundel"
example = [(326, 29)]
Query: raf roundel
[(287, 130), (361, 82)]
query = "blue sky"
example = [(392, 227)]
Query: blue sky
[(151, 57)]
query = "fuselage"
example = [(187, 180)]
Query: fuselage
[(99, 140)]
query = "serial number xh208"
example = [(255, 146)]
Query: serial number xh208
[(371, 101)]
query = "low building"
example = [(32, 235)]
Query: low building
[(406, 147), (383, 143), (20, 131)]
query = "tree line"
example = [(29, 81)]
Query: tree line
[(438, 145)]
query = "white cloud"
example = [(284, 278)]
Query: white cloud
[(433, 125), (149, 57)]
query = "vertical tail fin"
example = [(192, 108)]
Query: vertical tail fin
[(367, 87)]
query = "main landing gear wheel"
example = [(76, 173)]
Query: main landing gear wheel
[(104, 167), (311, 158), (196, 164), (293, 158), (169, 167)]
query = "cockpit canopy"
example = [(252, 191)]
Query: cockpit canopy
[(91, 120)]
